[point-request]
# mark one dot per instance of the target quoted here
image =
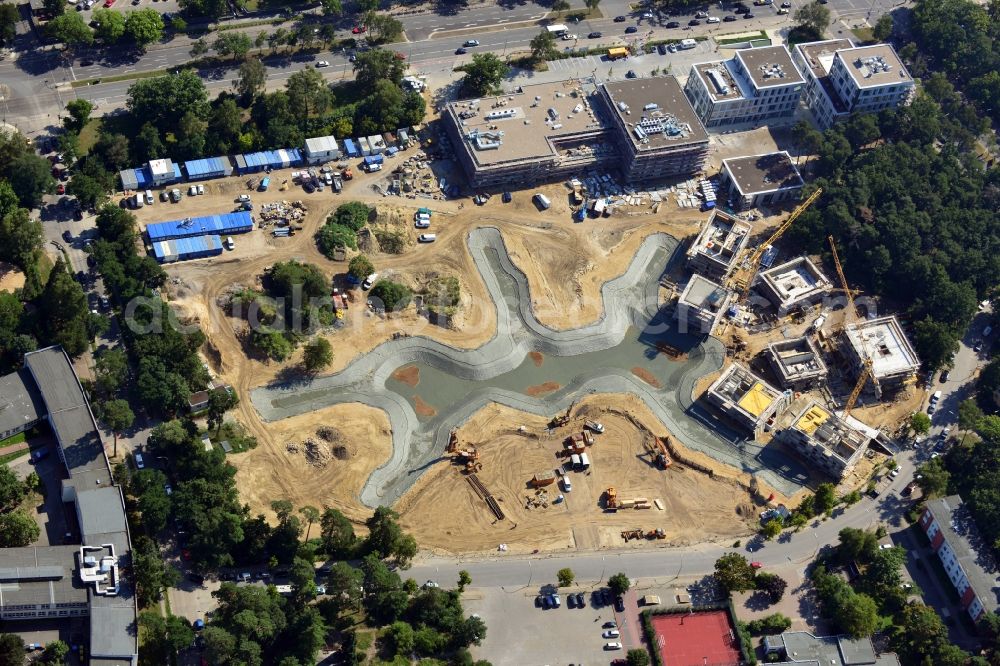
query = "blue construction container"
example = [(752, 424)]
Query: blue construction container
[(374, 159), (226, 224), (268, 159), (210, 167), (183, 249), (350, 148)]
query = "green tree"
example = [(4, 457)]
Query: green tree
[(317, 355), (559, 6), (920, 423), (148, 485), (178, 24), (337, 534), (9, 18), (11, 645), (273, 344), (859, 618), (772, 528), (935, 478), (484, 74), (199, 47), (71, 30), (31, 178), (344, 585), (153, 576), (825, 498), (360, 267), (883, 28), (619, 584), (110, 370), (635, 656), (734, 573), (543, 46), (352, 214), (118, 416), (79, 112), (144, 26), (303, 580), (770, 625), (18, 529), (220, 401), (233, 44), (109, 25), (772, 585), (311, 514), (464, 580), (308, 94), (394, 296), (65, 310), (333, 7), (382, 28), (162, 101), (12, 490), (592, 4), (856, 545), (377, 65), (814, 16), (332, 236), (383, 531), (251, 79), (400, 637), (565, 577), (969, 415), (55, 652)]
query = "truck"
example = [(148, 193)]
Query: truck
[(557, 29), (597, 207), (338, 182), (264, 184)]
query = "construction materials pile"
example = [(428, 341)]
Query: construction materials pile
[(540, 500), (281, 213)]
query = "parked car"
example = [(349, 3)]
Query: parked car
[(460, 51), (67, 236), (673, 24), (322, 63), (570, 601), (712, 19), (620, 19), (613, 646), (631, 29), (369, 281), (610, 625), (359, 30), (694, 22), (701, 15), (728, 18), (748, 15), (594, 35), (620, 604), (61, 188), (430, 585), (139, 463), (757, 565), (630, 74), (580, 601), (611, 633)]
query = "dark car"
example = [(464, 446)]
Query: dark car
[(740, 9), (620, 19), (580, 600), (506, 198), (539, 601), (620, 604), (630, 74), (694, 22), (308, 187), (631, 29), (86, 62), (661, 49), (594, 35), (748, 15), (570, 601), (77, 214), (38, 454), (460, 51), (728, 18), (673, 24), (67, 236)]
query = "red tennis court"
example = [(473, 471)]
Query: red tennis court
[(696, 639)]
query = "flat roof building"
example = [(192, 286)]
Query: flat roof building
[(803, 649), (842, 79), (760, 180), (793, 284), (894, 361), (797, 363), (700, 305), (321, 149), (21, 405), (718, 246), (550, 131), (967, 558), (826, 440), (753, 86), (745, 398), (67, 581)]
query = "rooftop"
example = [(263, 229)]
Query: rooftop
[(749, 392), (20, 401), (818, 57), (770, 66), (802, 647), (795, 279), (321, 144), (829, 430), (704, 294), (722, 239), (971, 551), (873, 66), (763, 173), (655, 112), (524, 124), (797, 357), (883, 341), (719, 80), (39, 576)]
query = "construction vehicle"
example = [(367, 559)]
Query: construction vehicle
[(658, 533), (561, 419), (611, 499), (453, 441), (743, 277), (347, 174), (850, 312), (663, 460), (594, 426), (338, 182)]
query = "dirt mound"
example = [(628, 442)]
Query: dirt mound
[(328, 434), (340, 452), (536, 358), (317, 454)]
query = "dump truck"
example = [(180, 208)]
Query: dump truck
[(338, 182)]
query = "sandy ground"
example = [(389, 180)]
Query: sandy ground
[(11, 277), (696, 507)]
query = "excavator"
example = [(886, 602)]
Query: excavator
[(663, 460), (611, 499)]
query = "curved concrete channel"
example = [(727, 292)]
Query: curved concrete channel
[(598, 358)]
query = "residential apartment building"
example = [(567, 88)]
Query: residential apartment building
[(842, 79), (759, 180), (746, 399), (753, 86), (966, 558), (829, 442), (701, 305), (717, 248)]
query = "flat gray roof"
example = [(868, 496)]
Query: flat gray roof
[(763, 173), (770, 66), (703, 293), (100, 512), (719, 80), (631, 101), (873, 66), (885, 343), (20, 401), (972, 552), (43, 576), (804, 648), (113, 630)]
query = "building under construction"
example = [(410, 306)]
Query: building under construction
[(826, 440), (797, 363), (894, 361), (793, 284), (746, 399), (717, 248), (701, 305)]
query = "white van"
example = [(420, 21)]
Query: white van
[(542, 201), (139, 464), (818, 322), (230, 243), (149, 197), (936, 396), (369, 281), (427, 238), (137, 201), (584, 461)]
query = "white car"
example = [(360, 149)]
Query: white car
[(369, 281), (894, 473), (201, 189), (567, 484), (322, 63), (422, 224), (884, 546), (471, 42), (192, 191), (430, 584), (139, 462), (611, 633), (167, 489), (613, 646)]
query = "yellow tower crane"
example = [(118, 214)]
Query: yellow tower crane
[(744, 275), (851, 312), (866, 370)]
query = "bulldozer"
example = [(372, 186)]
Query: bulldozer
[(658, 533), (611, 499)]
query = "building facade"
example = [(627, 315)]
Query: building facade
[(760, 180), (753, 86), (701, 305), (746, 399), (842, 79), (827, 441)]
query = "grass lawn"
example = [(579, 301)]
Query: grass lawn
[(88, 135), (864, 34), (14, 439), (44, 267), (235, 434), (10, 457)]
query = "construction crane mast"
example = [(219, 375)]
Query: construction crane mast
[(866, 371), (851, 308), (744, 276)]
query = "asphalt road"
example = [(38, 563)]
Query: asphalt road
[(37, 80)]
